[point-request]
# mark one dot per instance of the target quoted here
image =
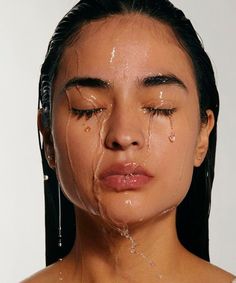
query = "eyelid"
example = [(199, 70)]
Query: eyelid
[(160, 103), (88, 113), (168, 112)]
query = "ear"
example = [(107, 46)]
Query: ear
[(203, 139), (45, 130)]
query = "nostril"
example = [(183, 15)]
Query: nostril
[(116, 145), (119, 146)]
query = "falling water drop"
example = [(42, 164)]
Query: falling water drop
[(46, 178)]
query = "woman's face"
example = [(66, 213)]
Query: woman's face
[(126, 127)]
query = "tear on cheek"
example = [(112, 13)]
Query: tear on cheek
[(87, 129), (172, 136), (91, 197), (71, 145), (90, 193), (85, 172)]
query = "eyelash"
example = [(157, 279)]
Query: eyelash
[(88, 113), (158, 111)]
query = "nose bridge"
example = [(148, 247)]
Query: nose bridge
[(124, 128)]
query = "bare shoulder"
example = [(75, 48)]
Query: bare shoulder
[(207, 272), (48, 274), (216, 274)]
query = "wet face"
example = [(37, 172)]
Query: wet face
[(126, 127)]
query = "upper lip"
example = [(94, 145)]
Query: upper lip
[(128, 168)]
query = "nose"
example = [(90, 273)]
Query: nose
[(124, 132)]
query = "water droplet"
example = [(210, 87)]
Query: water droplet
[(60, 276), (87, 129), (172, 137), (132, 250), (129, 202), (152, 264), (161, 94), (46, 178), (113, 54)]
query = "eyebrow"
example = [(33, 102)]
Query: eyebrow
[(168, 79), (150, 81), (87, 82)]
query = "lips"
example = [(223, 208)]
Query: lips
[(125, 176)]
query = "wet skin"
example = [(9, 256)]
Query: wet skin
[(135, 118), (123, 132)]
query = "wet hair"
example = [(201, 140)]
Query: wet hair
[(193, 213)]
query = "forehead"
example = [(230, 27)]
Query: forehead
[(128, 46), (118, 26)]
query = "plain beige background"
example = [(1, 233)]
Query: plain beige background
[(25, 29)]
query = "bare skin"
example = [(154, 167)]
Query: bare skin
[(185, 267), (123, 56), (180, 265)]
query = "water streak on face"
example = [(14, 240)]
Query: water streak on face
[(118, 107)]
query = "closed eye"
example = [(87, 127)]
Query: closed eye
[(159, 111), (87, 113)]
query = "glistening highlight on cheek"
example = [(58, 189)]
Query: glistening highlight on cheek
[(88, 121), (165, 103), (87, 156), (136, 105)]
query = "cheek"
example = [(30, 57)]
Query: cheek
[(174, 160), (77, 151)]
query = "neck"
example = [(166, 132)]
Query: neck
[(141, 253)]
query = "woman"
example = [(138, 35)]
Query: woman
[(128, 115)]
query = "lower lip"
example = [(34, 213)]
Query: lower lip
[(125, 182)]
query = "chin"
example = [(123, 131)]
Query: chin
[(129, 211), (123, 219)]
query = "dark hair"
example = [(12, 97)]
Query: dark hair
[(193, 212)]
